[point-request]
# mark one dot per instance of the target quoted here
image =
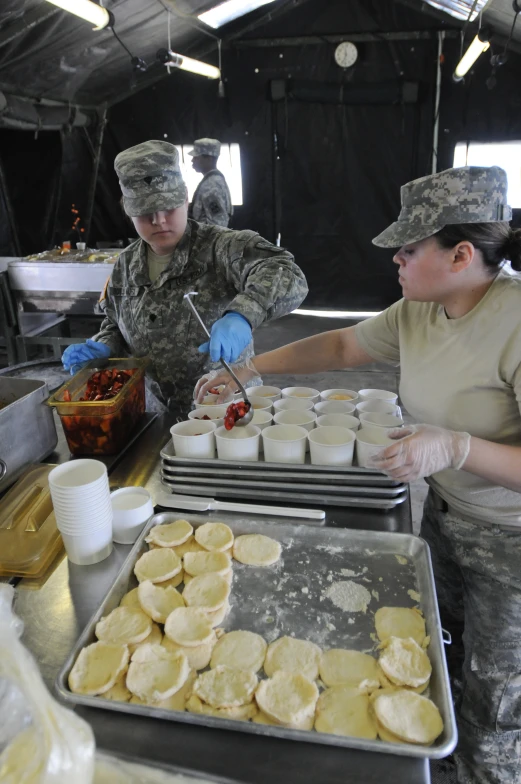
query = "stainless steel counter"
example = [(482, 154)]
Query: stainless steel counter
[(56, 612)]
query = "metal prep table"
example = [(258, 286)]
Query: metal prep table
[(56, 612)]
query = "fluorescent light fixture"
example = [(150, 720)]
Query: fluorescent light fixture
[(459, 9), (85, 9), (194, 66), (337, 313), (232, 9), (477, 47)]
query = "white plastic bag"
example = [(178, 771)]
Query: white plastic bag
[(40, 742)]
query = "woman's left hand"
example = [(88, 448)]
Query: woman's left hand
[(421, 450)]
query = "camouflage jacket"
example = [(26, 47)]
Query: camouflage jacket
[(212, 202), (231, 270)]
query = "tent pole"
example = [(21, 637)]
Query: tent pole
[(435, 132), (94, 179), (10, 212)]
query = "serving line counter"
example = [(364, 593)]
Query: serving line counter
[(56, 612)]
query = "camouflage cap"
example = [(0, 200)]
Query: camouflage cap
[(206, 147), (470, 194), (150, 178)]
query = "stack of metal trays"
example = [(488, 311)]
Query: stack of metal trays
[(280, 482)]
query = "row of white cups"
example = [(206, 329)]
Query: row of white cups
[(337, 427)]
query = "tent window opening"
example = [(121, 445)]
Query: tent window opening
[(504, 154), (229, 163)]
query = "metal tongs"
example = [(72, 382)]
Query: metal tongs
[(246, 419)]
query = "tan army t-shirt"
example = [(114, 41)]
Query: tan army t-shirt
[(461, 374)]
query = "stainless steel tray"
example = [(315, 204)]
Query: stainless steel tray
[(288, 599), (279, 472), (280, 495)]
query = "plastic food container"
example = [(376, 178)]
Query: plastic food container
[(368, 444), (342, 395), (285, 444), (332, 446), (335, 407), (194, 438), (101, 427), (301, 393), (239, 443), (132, 507), (338, 420)]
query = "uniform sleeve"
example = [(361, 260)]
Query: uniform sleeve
[(380, 335), (109, 332), (214, 207), (268, 282)]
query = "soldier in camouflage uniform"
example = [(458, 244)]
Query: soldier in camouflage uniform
[(242, 281), (212, 202), (456, 336)]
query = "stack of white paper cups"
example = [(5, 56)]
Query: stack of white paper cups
[(83, 510)]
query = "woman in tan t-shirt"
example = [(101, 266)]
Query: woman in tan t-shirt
[(456, 335)]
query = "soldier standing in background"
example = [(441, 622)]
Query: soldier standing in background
[(212, 202), (242, 281)]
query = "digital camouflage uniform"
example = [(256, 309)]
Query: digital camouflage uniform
[(230, 270), (477, 566), (212, 202)]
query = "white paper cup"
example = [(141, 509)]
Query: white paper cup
[(377, 394), (378, 407), (338, 420), (208, 400), (215, 413), (261, 403), (89, 548), (285, 444), (239, 443), (73, 528), (194, 438), (332, 446), (384, 422), (132, 507), (78, 475), (340, 395), (262, 419), (293, 404), (301, 393), (334, 407), (304, 419), (273, 393), (368, 444)]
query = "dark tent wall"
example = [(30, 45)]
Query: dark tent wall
[(336, 182)]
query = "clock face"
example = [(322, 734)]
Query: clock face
[(346, 54)]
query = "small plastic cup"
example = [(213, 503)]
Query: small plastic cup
[(194, 438), (368, 444), (334, 407), (88, 548), (239, 443), (377, 394), (338, 420), (215, 414), (285, 444), (301, 393), (292, 404), (377, 407), (132, 507), (273, 393), (383, 422), (342, 395), (261, 403), (332, 446)]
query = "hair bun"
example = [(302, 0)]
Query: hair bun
[(512, 249)]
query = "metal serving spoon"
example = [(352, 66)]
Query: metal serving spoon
[(246, 419)]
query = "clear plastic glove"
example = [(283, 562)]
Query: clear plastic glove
[(216, 378), (421, 450), (78, 354), (229, 337)]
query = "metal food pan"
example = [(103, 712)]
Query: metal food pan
[(272, 495), (289, 598), (263, 482), (306, 472)]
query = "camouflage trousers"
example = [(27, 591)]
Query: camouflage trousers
[(478, 580)]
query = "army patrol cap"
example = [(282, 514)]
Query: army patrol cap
[(150, 178), (469, 194), (206, 147)]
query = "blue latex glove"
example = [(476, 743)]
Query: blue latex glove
[(78, 354), (229, 337)]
